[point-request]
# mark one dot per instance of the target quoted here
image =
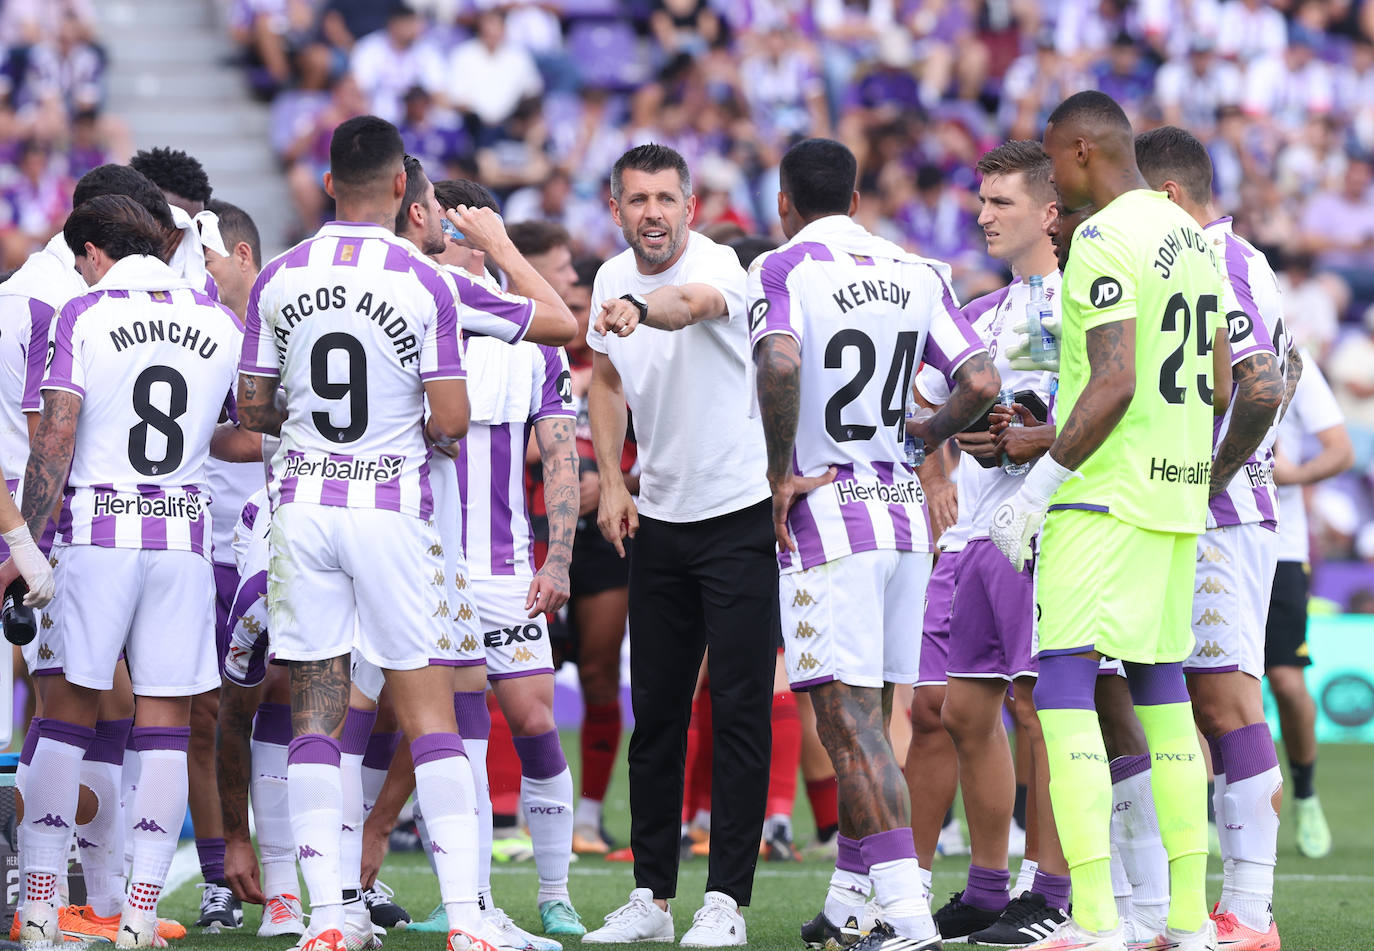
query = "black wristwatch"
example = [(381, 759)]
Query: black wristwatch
[(641, 304)]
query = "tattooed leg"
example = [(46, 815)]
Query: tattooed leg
[(319, 696), (852, 726)]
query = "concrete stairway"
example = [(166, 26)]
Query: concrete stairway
[(170, 82)]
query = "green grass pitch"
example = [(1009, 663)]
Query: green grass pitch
[(1323, 905)]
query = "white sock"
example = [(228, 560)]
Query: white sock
[(1224, 839), (1254, 829), (547, 804), (272, 818), (443, 784), (158, 809), (1135, 832), (315, 790), (1121, 882), (101, 840), (588, 813), (1025, 877), (846, 895), (50, 806), (897, 891), (128, 789), (477, 759), (351, 828), (927, 883)]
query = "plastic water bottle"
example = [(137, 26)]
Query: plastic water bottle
[(914, 445), (19, 620), (1044, 346), (1007, 397)]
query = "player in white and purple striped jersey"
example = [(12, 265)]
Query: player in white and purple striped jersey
[(1237, 555), (141, 368), (362, 333), (840, 320)]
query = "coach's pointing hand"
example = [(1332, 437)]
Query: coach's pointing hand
[(785, 493), (618, 316), (617, 516)]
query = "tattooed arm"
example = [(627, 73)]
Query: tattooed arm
[(976, 383), (50, 457), (1260, 388), (233, 772), (777, 358), (1111, 385), (257, 404), (558, 448), (1292, 373)]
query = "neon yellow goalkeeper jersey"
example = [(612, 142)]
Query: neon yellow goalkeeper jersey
[(1143, 258)]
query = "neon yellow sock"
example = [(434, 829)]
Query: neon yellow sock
[(1179, 782), (1081, 793)]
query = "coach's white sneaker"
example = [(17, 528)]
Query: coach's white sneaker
[(639, 919), (38, 926), (717, 924)]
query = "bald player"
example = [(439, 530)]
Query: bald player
[(1122, 496)]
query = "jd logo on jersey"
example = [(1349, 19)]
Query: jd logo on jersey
[(565, 388), (1105, 292), (757, 313), (1238, 324)]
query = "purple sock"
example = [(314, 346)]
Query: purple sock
[(1053, 888), (470, 710), (273, 724), (30, 741), (849, 855), (211, 854), (1248, 752), (541, 757), (1124, 767), (889, 846), (1218, 756), (357, 731), (987, 888), (381, 747)]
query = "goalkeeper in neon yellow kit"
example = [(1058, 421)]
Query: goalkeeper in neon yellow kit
[(1122, 496)]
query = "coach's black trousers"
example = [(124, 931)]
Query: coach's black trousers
[(693, 585)]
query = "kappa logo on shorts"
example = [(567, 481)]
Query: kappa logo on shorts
[(523, 655), (251, 624), (464, 613), (805, 630), (807, 662), (441, 610), (802, 599), (438, 581), (44, 651), (1211, 649), (1211, 618), (460, 582), (1212, 555), (1212, 586), (468, 644), (443, 643), (436, 550), (46, 623)]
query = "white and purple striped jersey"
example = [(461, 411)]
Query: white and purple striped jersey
[(28, 302), (509, 388), (1255, 325), (992, 317), (354, 322), (483, 308), (865, 313), (153, 362)]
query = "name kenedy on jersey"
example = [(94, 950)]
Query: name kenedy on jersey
[(405, 343), (859, 293)]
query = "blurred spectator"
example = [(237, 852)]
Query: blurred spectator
[(438, 143), (388, 62), (35, 203), (269, 33), (28, 22), (87, 148), (1350, 371), (1249, 30), (65, 71), (1124, 74), (784, 87), (344, 22), (307, 156), (1288, 87), (1338, 228), (491, 76), (689, 26), (1311, 304), (1190, 90)]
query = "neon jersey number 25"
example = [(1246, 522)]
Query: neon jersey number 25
[(1178, 315)]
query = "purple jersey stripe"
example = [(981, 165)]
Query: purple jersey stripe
[(397, 258), (36, 360), (388, 495), (858, 524), (883, 470), (346, 252), (1223, 509), (1264, 502), (464, 457), (103, 526), (502, 538), (426, 492), (808, 535), (290, 483), (981, 305), (335, 491), (474, 295), (1238, 269), (901, 527), (154, 528), (299, 256), (64, 520), (199, 525)]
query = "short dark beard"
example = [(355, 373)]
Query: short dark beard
[(676, 238)]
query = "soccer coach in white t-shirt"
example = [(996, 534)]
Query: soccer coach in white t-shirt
[(670, 339)]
